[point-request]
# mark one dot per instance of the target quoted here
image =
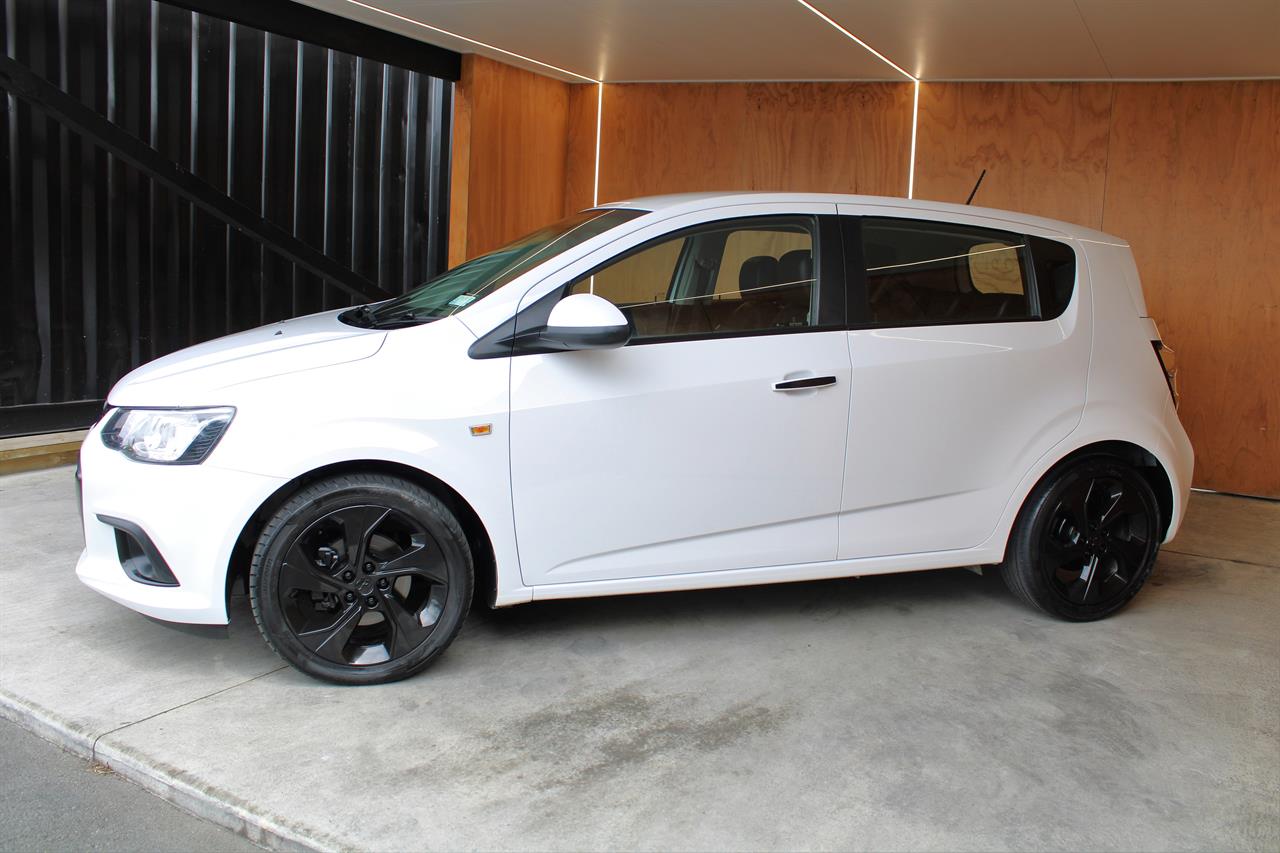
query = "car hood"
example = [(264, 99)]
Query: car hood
[(191, 377)]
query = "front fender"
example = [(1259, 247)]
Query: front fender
[(480, 476), (413, 404)]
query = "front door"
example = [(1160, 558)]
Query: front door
[(715, 439)]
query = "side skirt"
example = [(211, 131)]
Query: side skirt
[(772, 574)]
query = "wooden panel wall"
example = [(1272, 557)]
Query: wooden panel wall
[(1194, 185), (509, 149), (580, 156), (684, 137), (1044, 146)]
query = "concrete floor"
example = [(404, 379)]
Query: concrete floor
[(925, 711)]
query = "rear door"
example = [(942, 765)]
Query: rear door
[(965, 371), (715, 439)]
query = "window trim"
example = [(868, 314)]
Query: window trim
[(717, 336), (856, 275)]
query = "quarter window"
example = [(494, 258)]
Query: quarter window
[(749, 275), (1055, 274), (937, 273)]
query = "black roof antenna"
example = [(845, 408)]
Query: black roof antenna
[(975, 187)]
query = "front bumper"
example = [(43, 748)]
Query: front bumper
[(193, 514)]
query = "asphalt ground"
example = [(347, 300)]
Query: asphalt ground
[(50, 800)]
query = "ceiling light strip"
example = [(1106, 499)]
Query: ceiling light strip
[(915, 122), (595, 187), (886, 60), (478, 43)]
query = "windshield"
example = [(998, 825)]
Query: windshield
[(477, 278)]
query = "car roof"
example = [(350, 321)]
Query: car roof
[(895, 206)]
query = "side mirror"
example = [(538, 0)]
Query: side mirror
[(585, 321)]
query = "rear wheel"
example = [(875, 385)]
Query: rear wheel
[(361, 579), (1086, 540)]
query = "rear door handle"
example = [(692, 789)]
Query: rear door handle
[(805, 383)]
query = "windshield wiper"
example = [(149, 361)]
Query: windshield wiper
[(365, 317), (409, 317)]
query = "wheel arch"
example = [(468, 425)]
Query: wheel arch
[(482, 550), (1147, 464)]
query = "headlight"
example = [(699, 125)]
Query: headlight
[(173, 436)]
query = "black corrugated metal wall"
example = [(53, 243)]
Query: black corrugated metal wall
[(107, 268)]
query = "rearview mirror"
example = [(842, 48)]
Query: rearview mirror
[(585, 321)]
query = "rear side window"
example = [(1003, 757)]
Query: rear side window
[(924, 273), (1055, 265)]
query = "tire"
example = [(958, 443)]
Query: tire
[(361, 579), (1085, 541)]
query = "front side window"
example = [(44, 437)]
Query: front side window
[(921, 273), (735, 277), (477, 278)]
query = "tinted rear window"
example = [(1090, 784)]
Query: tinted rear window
[(927, 273)]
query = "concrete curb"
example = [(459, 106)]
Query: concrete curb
[(47, 725), (169, 783)]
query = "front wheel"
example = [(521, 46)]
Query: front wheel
[(1085, 541), (361, 579)]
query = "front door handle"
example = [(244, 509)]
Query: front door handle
[(804, 384)]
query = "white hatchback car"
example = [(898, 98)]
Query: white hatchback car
[(667, 393)]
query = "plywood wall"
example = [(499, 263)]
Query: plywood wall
[(509, 150), (683, 137), (1044, 146), (580, 156), (1193, 184), (1189, 173)]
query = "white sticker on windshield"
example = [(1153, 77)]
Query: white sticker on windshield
[(460, 301)]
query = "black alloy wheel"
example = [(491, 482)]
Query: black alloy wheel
[(363, 584), (361, 579), (1086, 540)]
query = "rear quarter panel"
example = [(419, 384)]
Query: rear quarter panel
[(1127, 398)]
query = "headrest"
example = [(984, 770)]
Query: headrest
[(760, 271), (796, 265)]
